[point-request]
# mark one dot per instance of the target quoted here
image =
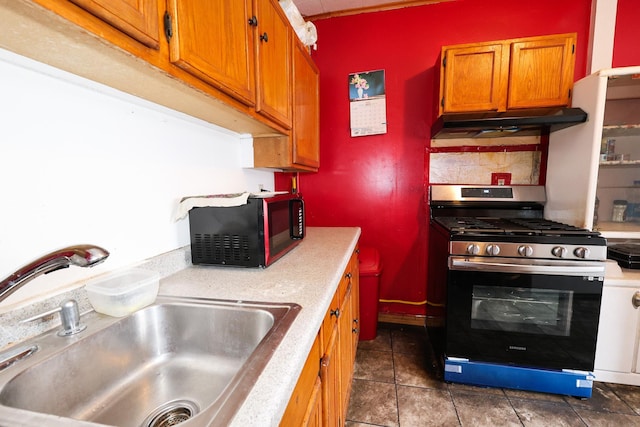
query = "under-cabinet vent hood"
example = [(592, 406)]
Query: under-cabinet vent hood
[(511, 123)]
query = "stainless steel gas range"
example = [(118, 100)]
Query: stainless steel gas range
[(522, 293)]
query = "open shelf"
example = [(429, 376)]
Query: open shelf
[(619, 230), (619, 163), (621, 130)]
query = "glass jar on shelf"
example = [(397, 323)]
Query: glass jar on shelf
[(619, 211)]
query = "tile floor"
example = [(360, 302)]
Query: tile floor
[(397, 384)]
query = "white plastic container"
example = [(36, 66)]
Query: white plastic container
[(123, 292)]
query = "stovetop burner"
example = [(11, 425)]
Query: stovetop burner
[(511, 226)]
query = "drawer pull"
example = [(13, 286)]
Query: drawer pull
[(635, 300), (335, 312)]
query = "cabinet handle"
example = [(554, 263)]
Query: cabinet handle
[(635, 300), (335, 312), (253, 21), (264, 37), (168, 29), (348, 275), (354, 330)]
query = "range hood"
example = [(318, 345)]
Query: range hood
[(510, 123)]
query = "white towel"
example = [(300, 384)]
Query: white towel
[(219, 200), (224, 200)]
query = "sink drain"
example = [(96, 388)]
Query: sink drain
[(171, 414)]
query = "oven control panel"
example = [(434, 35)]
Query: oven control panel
[(528, 250)]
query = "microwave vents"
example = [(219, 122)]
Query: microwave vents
[(221, 249)]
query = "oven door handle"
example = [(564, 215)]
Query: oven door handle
[(565, 268)]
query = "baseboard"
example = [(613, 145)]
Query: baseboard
[(403, 319)]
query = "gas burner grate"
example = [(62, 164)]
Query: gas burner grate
[(548, 227), (511, 227)]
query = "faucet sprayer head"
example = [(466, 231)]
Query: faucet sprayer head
[(79, 255), (86, 255)]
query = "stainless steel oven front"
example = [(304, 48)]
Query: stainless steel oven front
[(525, 312)]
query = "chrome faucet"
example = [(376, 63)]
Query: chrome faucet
[(80, 255)]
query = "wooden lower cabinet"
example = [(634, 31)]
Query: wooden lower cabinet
[(321, 396), (304, 408)]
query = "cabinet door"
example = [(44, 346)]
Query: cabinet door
[(313, 417), (273, 63), (541, 72), (346, 350), (355, 302), (136, 18), (330, 380), (303, 406), (473, 78), (617, 330), (306, 108), (213, 40)]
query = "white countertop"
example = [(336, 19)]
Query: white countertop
[(618, 276), (308, 276)]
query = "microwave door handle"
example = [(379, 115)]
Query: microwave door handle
[(570, 269), (296, 222)]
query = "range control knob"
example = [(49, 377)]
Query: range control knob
[(559, 251), (581, 252), (525, 250), (493, 250), (473, 249)]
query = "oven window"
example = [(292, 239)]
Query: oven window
[(516, 309)]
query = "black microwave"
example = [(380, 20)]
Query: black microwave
[(255, 234)]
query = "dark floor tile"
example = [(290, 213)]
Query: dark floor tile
[(398, 383), (409, 339), (485, 410), (415, 370), (373, 402), (630, 394), (354, 424), (604, 419), (533, 395), (603, 399), (466, 388), (420, 407), (374, 366), (541, 413), (382, 341)]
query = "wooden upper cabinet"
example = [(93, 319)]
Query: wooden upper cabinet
[(306, 104), (533, 72), (299, 151), (273, 43), (214, 41), (541, 72), (136, 18), (474, 78)]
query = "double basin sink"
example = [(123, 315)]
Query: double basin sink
[(186, 361)]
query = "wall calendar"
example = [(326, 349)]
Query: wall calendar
[(367, 103)]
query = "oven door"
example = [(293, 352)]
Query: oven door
[(528, 313)]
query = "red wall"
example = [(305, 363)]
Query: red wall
[(378, 182), (625, 44)]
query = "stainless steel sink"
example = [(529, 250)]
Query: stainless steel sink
[(181, 360)]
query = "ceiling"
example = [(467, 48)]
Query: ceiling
[(328, 8)]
